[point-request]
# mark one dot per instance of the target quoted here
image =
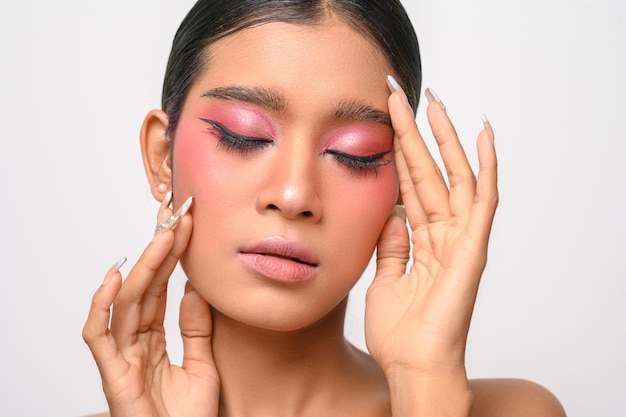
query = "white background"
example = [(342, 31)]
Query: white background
[(77, 77)]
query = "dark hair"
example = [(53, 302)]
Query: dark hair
[(384, 21)]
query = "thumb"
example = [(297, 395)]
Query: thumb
[(392, 253), (196, 329)]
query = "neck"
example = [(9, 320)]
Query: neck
[(285, 373)]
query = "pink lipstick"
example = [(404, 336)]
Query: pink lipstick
[(280, 260)]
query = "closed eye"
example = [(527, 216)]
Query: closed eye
[(361, 164), (236, 142)]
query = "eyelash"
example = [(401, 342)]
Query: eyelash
[(241, 144), (234, 142), (361, 165)]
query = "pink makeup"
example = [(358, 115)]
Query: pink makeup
[(241, 118), (360, 140)]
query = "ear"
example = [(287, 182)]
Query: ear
[(155, 150)]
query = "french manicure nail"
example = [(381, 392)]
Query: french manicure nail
[(113, 270), (488, 127), (393, 84), (432, 96), (185, 207), (120, 263), (167, 199), (172, 221), (395, 88)]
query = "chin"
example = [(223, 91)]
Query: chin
[(283, 313)]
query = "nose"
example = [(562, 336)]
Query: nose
[(291, 187)]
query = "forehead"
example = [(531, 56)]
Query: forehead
[(329, 58)]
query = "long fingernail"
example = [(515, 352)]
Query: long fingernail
[(395, 88), (166, 200), (172, 221), (489, 128), (113, 270), (120, 263), (432, 96), (185, 207)]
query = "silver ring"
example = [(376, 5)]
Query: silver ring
[(168, 224)]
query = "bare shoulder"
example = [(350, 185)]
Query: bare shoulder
[(513, 398), (99, 415)]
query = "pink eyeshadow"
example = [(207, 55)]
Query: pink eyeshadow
[(240, 118), (359, 140)]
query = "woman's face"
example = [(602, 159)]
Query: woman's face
[(285, 144)]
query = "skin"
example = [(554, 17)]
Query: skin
[(262, 347)]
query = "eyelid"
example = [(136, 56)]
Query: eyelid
[(364, 158), (234, 142), (361, 165), (224, 130)]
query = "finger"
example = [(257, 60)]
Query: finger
[(196, 330), (153, 267), (153, 308), (128, 305), (96, 330), (460, 175), (392, 252), (414, 210), (154, 303), (426, 177), (486, 198)]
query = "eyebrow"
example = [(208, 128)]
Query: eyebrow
[(274, 100), (352, 110), (263, 97)]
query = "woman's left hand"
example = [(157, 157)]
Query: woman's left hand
[(419, 320)]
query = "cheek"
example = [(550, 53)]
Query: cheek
[(375, 199), (366, 205), (197, 169)]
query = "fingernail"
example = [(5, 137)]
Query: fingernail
[(113, 270), (185, 207), (399, 211), (488, 127), (172, 221), (393, 84), (395, 88), (120, 263), (166, 200), (432, 96)]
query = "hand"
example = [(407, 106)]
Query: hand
[(419, 320), (137, 376)]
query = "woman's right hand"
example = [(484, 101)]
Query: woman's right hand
[(137, 377)]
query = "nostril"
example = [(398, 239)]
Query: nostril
[(306, 214)]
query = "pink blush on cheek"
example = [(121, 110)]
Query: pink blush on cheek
[(384, 189), (197, 168), (370, 198)]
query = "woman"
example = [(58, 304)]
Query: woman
[(281, 142)]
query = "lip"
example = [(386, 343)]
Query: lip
[(281, 260)]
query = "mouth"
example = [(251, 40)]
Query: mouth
[(280, 260), (289, 258), (284, 249)]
